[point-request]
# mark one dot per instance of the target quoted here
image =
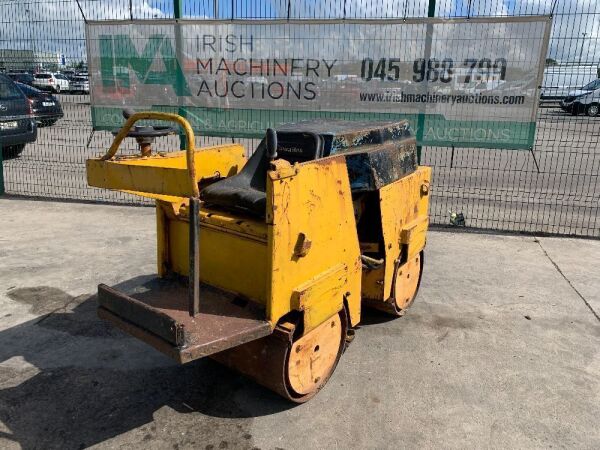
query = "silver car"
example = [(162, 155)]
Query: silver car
[(80, 85)]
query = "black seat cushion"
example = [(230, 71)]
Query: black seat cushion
[(245, 191)]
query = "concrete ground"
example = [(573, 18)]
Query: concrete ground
[(500, 350)]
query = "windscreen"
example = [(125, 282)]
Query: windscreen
[(8, 90), (592, 86)]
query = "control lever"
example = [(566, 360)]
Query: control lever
[(271, 144), (145, 134)]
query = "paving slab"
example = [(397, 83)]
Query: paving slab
[(498, 351), (578, 261)]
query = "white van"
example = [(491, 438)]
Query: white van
[(585, 99), (559, 80)]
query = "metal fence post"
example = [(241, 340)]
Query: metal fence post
[(421, 117), (1, 171), (178, 12)]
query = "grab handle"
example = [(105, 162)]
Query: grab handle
[(168, 117)]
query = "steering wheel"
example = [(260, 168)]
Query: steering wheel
[(145, 134)]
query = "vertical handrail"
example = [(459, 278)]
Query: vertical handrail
[(194, 257), (194, 207)]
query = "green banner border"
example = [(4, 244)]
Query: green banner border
[(523, 133)]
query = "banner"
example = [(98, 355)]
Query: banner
[(460, 82)]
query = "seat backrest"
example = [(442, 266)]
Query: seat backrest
[(244, 191), (255, 170), (299, 146)]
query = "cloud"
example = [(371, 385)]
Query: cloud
[(56, 26), (575, 29)]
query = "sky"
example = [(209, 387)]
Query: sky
[(57, 26)]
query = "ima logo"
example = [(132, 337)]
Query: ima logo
[(157, 63)]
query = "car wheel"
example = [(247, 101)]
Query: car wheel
[(12, 151), (592, 110), (574, 111)]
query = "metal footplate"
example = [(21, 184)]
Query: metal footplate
[(157, 313)]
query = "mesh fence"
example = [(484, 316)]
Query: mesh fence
[(553, 189)]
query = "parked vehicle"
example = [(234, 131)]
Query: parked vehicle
[(79, 85), (51, 82), (560, 80), (65, 85), (17, 127), (25, 78), (45, 107), (585, 99)]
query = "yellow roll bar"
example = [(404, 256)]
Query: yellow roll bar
[(168, 117)]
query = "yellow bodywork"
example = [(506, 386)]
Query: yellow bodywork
[(304, 256), (260, 259), (404, 208), (312, 202), (166, 175)]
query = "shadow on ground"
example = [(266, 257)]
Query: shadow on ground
[(84, 382), (8, 155)]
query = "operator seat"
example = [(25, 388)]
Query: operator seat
[(245, 192), (377, 153)]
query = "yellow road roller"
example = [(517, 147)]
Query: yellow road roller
[(264, 263)]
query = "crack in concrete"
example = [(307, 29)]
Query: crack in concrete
[(60, 308), (568, 281)]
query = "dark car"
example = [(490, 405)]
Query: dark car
[(45, 107), (25, 78), (17, 127)]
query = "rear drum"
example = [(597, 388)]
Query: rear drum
[(295, 367)]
